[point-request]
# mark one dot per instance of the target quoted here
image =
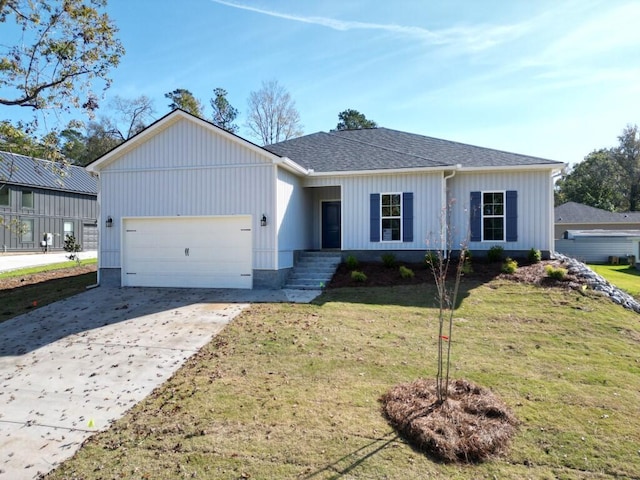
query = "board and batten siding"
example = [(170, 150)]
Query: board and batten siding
[(534, 213), (355, 194), (293, 218), (187, 170)]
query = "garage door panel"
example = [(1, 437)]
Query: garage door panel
[(188, 252)]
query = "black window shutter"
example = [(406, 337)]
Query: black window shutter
[(512, 216), (407, 217), (476, 217), (374, 211)]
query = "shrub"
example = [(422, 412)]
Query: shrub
[(358, 276), (431, 258), (406, 272), (557, 273), (534, 256), (467, 266), (495, 254), (389, 260), (509, 266), (351, 262)]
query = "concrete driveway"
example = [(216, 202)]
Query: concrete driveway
[(69, 369)]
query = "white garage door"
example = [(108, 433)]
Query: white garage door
[(206, 252)]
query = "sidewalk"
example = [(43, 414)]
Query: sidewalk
[(15, 262)]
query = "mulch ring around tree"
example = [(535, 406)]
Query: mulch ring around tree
[(471, 426)]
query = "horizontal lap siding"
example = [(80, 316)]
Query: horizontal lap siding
[(187, 170), (535, 206)]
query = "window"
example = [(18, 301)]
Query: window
[(391, 216), (27, 199), (493, 216), (5, 197), (68, 230), (26, 230)]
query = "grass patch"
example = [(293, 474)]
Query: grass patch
[(624, 277), (47, 268), (291, 391)]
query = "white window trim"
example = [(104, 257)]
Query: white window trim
[(503, 216), (33, 227), (400, 217)]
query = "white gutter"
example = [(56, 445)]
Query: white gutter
[(443, 221), (292, 166)]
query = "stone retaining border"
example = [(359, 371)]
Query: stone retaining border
[(597, 282)]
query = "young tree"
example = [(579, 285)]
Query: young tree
[(353, 120), (184, 99), (272, 115), (223, 113), (59, 48)]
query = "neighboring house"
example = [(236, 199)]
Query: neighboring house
[(601, 246), (594, 235), (185, 203), (576, 216), (38, 197)]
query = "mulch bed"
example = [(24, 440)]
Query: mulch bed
[(471, 426)]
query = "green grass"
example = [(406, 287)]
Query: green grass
[(624, 277), (291, 391), (46, 268)]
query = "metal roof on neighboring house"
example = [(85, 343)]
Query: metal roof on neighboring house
[(35, 172), (382, 148), (578, 213)]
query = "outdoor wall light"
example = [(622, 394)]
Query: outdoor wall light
[(109, 222), (263, 220)]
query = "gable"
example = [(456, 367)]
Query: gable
[(187, 144)]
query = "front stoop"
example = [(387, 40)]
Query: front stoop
[(314, 270)]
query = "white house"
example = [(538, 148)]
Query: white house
[(185, 203)]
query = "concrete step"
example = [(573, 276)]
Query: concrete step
[(313, 270)]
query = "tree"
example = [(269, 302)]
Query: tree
[(272, 115), (607, 178), (353, 120), (132, 115), (59, 48), (223, 113), (627, 156), (595, 181), (184, 100)]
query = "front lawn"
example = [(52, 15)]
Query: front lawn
[(291, 391), (622, 276)]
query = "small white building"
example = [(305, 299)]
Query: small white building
[(187, 204)]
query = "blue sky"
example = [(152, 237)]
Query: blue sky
[(555, 79)]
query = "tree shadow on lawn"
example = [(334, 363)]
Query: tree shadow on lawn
[(413, 295), (352, 460)]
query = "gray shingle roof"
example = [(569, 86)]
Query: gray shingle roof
[(383, 148), (572, 212), (34, 172)]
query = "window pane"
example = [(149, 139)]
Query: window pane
[(68, 229), (4, 196), (27, 199), (386, 199), (386, 211), (27, 230), (390, 229), (494, 228)]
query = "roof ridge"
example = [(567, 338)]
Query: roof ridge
[(383, 147)]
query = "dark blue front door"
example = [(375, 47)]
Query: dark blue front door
[(330, 224)]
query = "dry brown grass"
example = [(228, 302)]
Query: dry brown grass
[(471, 426)]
